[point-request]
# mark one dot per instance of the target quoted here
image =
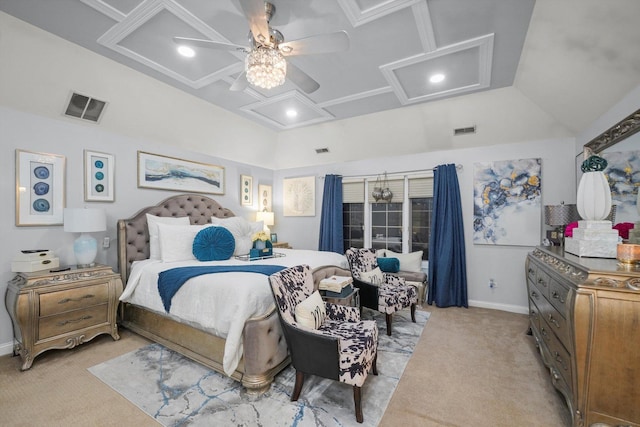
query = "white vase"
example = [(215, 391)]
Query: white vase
[(594, 196)]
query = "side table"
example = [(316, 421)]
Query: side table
[(61, 310), (283, 245), (352, 299)]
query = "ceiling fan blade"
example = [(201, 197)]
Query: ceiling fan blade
[(254, 10), (210, 44), (240, 83), (323, 43), (301, 79)]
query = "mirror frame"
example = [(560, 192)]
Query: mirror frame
[(616, 133)]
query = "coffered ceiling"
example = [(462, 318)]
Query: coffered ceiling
[(395, 46)]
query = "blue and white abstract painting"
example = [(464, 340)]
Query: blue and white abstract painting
[(623, 173), (507, 202)]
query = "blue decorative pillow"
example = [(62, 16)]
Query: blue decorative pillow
[(389, 265), (213, 244)]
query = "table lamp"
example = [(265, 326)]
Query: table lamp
[(267, 218), (559, 216), (85, 221)]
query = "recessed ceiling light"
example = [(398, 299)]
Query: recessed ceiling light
[(186, 51), (292, 113), (436, 78)]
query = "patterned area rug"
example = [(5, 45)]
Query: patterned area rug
[(179, 392)]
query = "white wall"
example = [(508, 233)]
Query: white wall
[(35, 133), (504, 264)]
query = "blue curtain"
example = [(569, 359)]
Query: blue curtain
[(331, 234), (447, 261)]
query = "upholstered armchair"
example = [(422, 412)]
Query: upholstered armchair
[(324, 339), (380, 291)]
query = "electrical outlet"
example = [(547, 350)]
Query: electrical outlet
[(492, 284), (106, 242)]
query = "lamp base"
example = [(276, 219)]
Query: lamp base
[(85, 249)]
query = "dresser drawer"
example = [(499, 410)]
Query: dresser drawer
[(72, 321), (556, 323), (542, 282), (558, 294), (72, 299), (534, 315), (560, 359)]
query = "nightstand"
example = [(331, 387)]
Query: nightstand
[(59, 310), (352, 299), (282, 245)]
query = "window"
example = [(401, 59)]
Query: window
[(401, 225)]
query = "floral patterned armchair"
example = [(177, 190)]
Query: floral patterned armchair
[(342, 348), (391, 294)]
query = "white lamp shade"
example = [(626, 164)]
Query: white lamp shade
[(594, 196), (266, 217), (79, 220)]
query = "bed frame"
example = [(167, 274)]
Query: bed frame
[(265, 350)]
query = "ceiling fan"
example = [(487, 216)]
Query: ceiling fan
[(265, 64)]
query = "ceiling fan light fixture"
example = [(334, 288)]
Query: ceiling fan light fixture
[(265, 67)]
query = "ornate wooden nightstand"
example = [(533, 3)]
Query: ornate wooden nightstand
[(283, 245), (58, 310)]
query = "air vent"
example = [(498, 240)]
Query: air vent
[(85, 107), (322, 150), (464, 131)]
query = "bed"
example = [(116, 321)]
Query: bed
[(243, 341)]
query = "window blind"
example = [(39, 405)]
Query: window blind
[(353, 192), (420, 187)]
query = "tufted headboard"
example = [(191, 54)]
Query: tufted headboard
[(133, 233)]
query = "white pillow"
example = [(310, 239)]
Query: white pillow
[(242, 231), (408, 262), (152, 223), (176, 241), (311, 312), (374, 276)]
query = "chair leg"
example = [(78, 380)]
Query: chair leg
[(413, 313), (389, 324), (357, 399), (297, 388), (374, 365)]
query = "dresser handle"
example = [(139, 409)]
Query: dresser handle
[(559, 360), (557, 296), (66, 322), (542, 282), (66, 300), (534, 294), (533, 314), (554, 321), (543, 332)]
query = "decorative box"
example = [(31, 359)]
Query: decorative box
[(34, 255), (256, 253), (37, 265)]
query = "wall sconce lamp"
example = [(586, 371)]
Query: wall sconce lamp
[(85, 221)]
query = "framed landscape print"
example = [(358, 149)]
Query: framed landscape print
[(299, 196), (170, 173), (246, 190), (40, 188), (99, 169), (507, 205)]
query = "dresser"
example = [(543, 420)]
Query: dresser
[(584, 314), (58, 310)]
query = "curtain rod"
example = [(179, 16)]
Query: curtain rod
[(458, 167)]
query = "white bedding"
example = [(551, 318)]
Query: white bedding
[(221, 303)]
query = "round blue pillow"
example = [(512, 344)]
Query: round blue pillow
[(213, 244)]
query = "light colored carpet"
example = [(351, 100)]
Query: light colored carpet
[(176, 391)]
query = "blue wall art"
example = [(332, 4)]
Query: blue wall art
[(169, 173), (40, 186), (99, 170), (623, 173), (507, 202)]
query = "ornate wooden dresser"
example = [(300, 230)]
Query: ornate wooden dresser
[(585, 317)]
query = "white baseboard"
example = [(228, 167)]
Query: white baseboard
[(504, 307), (6, 348)]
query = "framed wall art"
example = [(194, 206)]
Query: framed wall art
[(40, 188), (99, 169), (507, 204), (246, 190), (299, 196), (265, 198), (170, 173)]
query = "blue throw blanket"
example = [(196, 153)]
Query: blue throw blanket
[(170, 281)]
